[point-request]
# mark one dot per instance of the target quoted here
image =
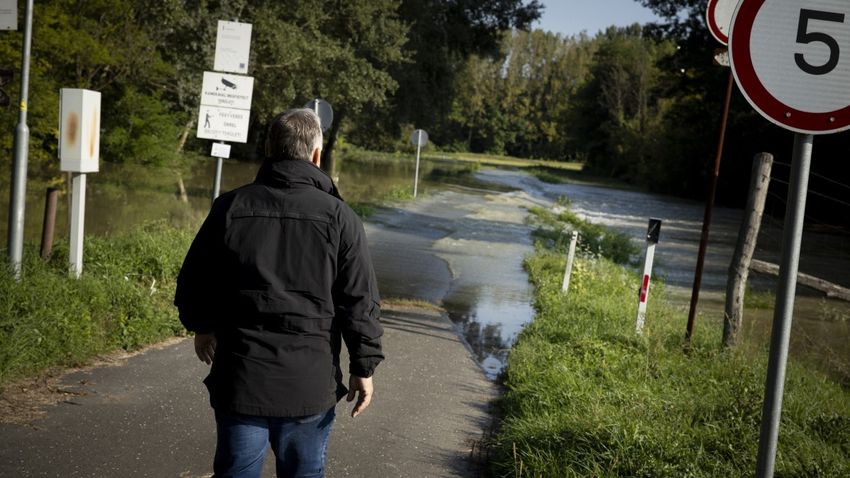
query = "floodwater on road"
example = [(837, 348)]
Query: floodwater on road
[(462, 248)]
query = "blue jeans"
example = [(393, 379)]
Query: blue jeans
[(299, 445)]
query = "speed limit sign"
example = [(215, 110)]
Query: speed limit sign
[(791, 59)]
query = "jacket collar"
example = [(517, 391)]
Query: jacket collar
[(288, 173)]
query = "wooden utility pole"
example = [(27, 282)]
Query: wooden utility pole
[(736, 283)]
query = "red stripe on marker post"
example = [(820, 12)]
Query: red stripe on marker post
[(644, 288)]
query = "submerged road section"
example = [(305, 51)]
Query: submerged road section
[(461, 248)]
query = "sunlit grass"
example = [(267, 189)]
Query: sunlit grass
[(588, 397)]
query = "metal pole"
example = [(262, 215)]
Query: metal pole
[(571, 254), (709, 204), (783, 313), (78, 218), (217, 181), (17, 201), (418, 148)]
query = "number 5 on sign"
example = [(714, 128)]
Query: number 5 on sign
[(792, 61)]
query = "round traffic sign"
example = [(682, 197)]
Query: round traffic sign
[(324, 110), (792, 62), (419, 137), (718, 16)]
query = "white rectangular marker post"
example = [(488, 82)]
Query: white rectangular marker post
[(571, 254), (652, 233), (79, 151)]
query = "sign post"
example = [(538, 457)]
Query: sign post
[(79, 150), (225, 111), (18, 193), (418, 138), (718, 17), (653, 231), (786, 60)]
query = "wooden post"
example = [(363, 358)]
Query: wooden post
[(739, 268), (49, 223)]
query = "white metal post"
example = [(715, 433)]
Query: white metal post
[(652, 234), (78, 216), (416, 175), (570, 257)]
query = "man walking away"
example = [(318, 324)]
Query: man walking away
[(277, 277)]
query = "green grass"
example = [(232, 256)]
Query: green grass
[(587, 397), (121, 301), (555, 229)]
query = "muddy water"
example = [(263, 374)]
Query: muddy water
[(821, 328), (462, 248)]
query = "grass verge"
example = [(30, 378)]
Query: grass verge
[(586, 397), (121, 301)]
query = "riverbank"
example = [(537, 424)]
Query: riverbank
[(587, 397)]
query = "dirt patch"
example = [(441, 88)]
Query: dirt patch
[(26, 401)]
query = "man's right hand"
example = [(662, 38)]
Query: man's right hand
[(363, 388), (205, 347)]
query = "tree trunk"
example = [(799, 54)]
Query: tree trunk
[(833, 291), (181, 187), (739, 268), (328, 161)]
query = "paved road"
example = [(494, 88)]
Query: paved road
[(148, 416)]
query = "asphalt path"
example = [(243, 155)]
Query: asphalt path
[(147, 415)]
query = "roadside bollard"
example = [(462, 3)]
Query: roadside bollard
[(652, 234), (49, 224), (570, 257)]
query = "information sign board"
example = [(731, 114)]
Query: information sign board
[(8, 14), (232, 47), (227, 91), (223, 124)]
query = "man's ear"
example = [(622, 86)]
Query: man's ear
[(317, 157)]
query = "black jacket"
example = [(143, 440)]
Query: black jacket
[(280, 271)]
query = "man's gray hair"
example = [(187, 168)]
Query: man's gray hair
[(294, 134)]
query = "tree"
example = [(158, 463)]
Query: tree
[(619, 111), (443, 34)]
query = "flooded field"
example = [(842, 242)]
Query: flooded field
[(461, 243)]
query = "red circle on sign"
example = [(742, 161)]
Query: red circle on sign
[(713, 27), (759, 97)]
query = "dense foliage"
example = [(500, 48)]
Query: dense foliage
[(122, 301), (640, 104), (586, 397)]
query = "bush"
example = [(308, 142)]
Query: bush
[(121, 301)]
